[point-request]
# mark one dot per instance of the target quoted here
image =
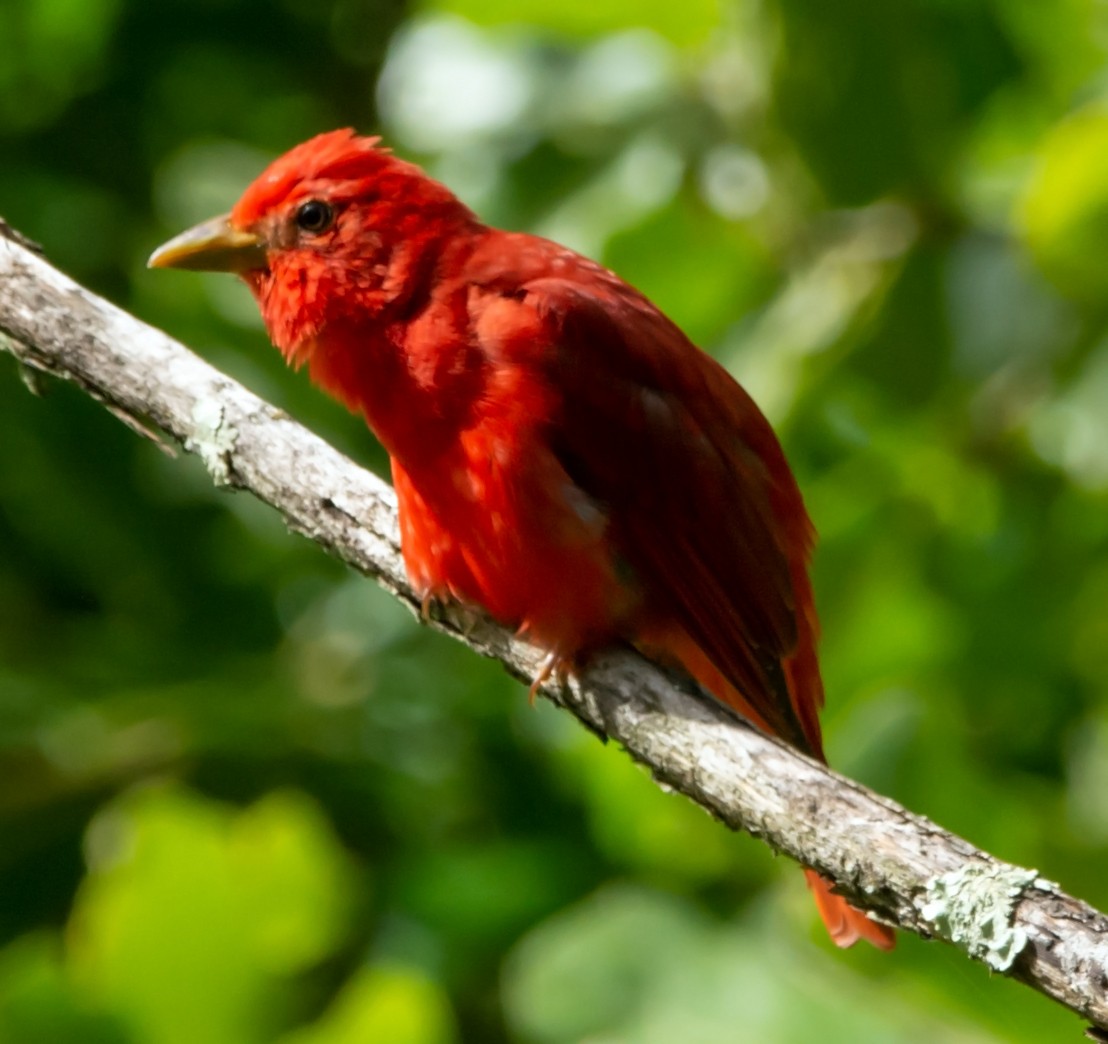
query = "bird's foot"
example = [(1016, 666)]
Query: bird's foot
[(438, 598), (462, 615), (554, 664)]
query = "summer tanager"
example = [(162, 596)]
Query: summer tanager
[(564, 457)]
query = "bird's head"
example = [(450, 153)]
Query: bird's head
[(335, 224)]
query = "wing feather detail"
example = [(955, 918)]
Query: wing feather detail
[(701, 500)]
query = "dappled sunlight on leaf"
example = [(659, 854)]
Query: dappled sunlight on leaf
[(1065, 210), (385, 1002), (247, 899)]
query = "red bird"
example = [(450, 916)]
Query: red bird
[(563, 455)]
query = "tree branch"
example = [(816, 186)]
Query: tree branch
[(901, 866)]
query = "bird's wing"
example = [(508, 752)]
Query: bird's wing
[(702, 503)]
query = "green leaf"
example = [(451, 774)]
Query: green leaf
[(1064, 212), (38, 1004), (685, 24), (194, 915), (387, 1002)]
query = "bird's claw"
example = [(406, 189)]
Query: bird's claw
[(464, 617), (553, 664), (426, 603)]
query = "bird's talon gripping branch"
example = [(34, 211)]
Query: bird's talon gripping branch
[(553, 665), (464, 617)]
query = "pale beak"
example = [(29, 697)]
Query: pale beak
[(214, 246)]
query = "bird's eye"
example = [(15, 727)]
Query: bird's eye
[(315, 216)]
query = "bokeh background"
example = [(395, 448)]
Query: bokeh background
[(244, 798)]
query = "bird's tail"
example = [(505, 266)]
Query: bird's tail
[(845, 924)]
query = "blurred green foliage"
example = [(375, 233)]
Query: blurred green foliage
[(246, 799)]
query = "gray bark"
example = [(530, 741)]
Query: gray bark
[(903, 868)]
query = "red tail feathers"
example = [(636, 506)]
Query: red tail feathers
[(845, 924)]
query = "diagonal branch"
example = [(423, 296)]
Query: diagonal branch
[(901, 866)]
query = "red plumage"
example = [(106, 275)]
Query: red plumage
[(564, 457)]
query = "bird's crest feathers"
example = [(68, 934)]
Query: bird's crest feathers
[(341, 161)]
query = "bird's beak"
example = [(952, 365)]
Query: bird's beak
[(214, 246)]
